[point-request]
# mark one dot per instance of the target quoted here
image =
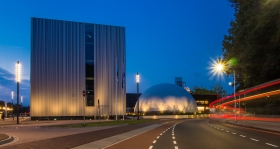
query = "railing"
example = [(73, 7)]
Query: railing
[(263, 90)]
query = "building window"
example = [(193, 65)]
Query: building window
[(89, 48), (89, 36)]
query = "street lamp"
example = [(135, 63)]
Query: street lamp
[(21, 100), (220, 68), (12, 93), (18, 75), (137, 83)]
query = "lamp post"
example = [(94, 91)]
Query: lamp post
[(230, 83), (12, 93), (234, 94), (220, 68), (84, 95), (18, 75), (137, 83), (21, 100)]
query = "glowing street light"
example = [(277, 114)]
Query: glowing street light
[(18, 75), (137, 83), (219, 67)]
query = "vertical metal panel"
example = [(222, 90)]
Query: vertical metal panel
[(109, 45), (58, 68)]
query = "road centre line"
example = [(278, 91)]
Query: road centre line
[(254, 139), (242, 136), (150, 147), (271, 144), (157, 137), (173, 137), (176, 147), (155, 141), (233, 133), (174, 142)]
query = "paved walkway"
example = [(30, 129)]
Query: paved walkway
[(265, 125), (117, 138), (74, 140)]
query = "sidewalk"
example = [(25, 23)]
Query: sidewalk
[(69, 140), (265, 125)]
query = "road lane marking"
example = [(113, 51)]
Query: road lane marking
[(172, 134), (254, 139), (150, 147), (173, 137), (155, 141), (271, 144), (233, 133), (157, 137), (174, 142), (242, 136), (227, 131), (176, 147)]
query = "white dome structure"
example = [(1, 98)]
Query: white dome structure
[(166, 98)]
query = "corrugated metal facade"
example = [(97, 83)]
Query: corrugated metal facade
[(58, 68)]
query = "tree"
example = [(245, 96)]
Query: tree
[(254, 42), (202, 90), (215, 89), (218, 89)]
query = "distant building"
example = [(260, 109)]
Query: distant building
[(203, 101), (166, 98), (131, 99), (69, 57)]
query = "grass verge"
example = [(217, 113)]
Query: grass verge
[(104, 123)]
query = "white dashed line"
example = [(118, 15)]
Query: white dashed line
[(150, 147), (155, 141), (233, 133), (254, 139), (172, 134), (176, 147), (173, 137), (161, 134), (174, 142), (242, 136), (271, 144), (157, 137)]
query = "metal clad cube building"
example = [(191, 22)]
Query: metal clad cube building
[(69, 57)]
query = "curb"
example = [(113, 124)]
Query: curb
[(9, 140), (254, 127)]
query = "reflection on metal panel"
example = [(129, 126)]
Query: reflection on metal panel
[(58, 62)]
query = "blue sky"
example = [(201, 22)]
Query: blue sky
[(164, 39)]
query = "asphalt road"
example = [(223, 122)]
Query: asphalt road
[(210, 134)]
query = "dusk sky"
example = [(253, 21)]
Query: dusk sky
[(164, 39)]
